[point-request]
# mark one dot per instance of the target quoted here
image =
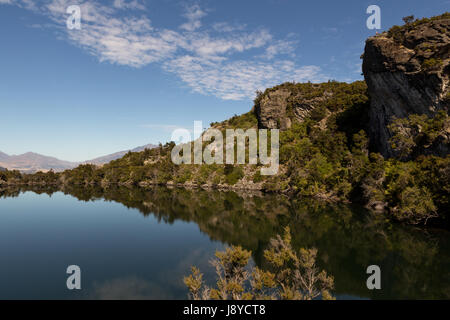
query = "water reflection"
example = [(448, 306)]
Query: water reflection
[(127, 288), (414, 262)]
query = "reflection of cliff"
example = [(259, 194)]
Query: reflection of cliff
[(414, 262)]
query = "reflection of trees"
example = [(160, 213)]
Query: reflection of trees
[(414, 262), (15, 191)]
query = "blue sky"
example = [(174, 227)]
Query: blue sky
[(137, 69)]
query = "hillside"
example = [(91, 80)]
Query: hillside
[(31, 162), (114, 156), (365, 142)]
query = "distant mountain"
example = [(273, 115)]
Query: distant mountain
[(118, 155), (32, 162), (3, 156)]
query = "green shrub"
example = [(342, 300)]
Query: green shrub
[(296, 275), (432, 63), (233, 174)]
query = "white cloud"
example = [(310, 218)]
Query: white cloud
[(226, 27), (126, 40), (278, 47), (202, 44), (133, 4), (193, 15), (237, 80), (27, 4), (230, 64)]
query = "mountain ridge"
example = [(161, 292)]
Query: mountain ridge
[(113, 156), (31, 162)]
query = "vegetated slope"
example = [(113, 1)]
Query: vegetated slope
[(117, 155)]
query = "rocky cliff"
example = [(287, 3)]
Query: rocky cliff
[(280, 106), (407, 72), (271, 110)]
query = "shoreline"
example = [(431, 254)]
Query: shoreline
[(240, 189)]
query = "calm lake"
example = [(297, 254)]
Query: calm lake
[(134, 243)]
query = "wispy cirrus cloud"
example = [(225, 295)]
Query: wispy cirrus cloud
[(286, 47), (226, 27), (227, 61), (193, 14), (237, 80), (133, 4)]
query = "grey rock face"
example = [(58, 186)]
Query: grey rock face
[(406, 76), (271, 110)]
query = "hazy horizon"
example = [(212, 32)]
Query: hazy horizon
[(81, 161)]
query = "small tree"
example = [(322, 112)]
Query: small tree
[(408, 19), (296, 275)]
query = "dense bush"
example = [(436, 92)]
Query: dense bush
[(398, 33), (416, 134)]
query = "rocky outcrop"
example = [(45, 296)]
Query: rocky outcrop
[(407, 72), (280, 106), (271, 110)]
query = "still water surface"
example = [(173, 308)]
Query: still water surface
[(132, 243)]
